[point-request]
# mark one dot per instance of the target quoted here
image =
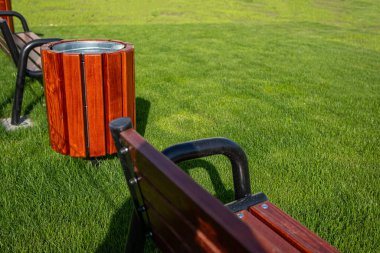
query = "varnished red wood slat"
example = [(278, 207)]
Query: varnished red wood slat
[(290, 229), (113, 101), (74, 104), (172, 242), (34, 59), (95, 109), (55, 102), (174, 220), (23, 38), (262, 231), (208, 214), (6, 5), (129, 104), (33, 36)]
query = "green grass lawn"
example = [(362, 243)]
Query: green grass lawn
[(295, 83)]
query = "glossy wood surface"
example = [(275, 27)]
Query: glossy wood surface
[(263, 232), (113, 93), (95, 110), (6, 5), (74, 104), (34, 59), (290, 229), (55, 102), (129, 109), (92, 91), (179, 208)]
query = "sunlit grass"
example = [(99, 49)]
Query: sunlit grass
[(295, 84)]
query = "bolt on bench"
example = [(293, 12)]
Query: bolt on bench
[(182, 217), (24, 48)]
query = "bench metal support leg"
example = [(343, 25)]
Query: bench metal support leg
[(136, 235), (19, 91), (21, 72)]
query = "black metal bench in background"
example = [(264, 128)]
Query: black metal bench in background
[(24, 49)]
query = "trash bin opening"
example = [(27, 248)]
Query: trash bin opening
[(88, 47)]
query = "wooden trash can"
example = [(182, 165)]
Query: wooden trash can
[(87, 84), (6, 5)]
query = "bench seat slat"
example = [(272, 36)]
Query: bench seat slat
[(290, 229), (261, 229), (34, 61)]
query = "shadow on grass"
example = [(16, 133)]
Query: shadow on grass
[(221, 192), (8, 100), (116, 238), (28, 109), (31, 105), (142, 112)]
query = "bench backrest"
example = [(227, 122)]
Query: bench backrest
[(182, 216), (5, 5), (7, 42)]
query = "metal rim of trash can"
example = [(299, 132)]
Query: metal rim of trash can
[(87, 47)]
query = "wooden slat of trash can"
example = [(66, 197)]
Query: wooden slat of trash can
[(112, 64), (95, 97), (84, 92), (56, 102), (74, 104), (6, 5)]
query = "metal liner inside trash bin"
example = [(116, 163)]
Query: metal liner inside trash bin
[(88, 47)]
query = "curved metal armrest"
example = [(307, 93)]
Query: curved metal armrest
[(216, 146), (25, 51), (21, 71), (19, 16)]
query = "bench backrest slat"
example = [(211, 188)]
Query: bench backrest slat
[(3, 45), (34, 59), (178, 208), (9, 42)]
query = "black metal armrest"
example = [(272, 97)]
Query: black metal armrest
[(19, 16), (25, 51), (216, 146), (21, 71)]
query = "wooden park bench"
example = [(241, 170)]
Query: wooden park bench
[(24, 49), (182, 217)]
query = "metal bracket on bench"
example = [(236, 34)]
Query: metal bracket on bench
[(246, 202)]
